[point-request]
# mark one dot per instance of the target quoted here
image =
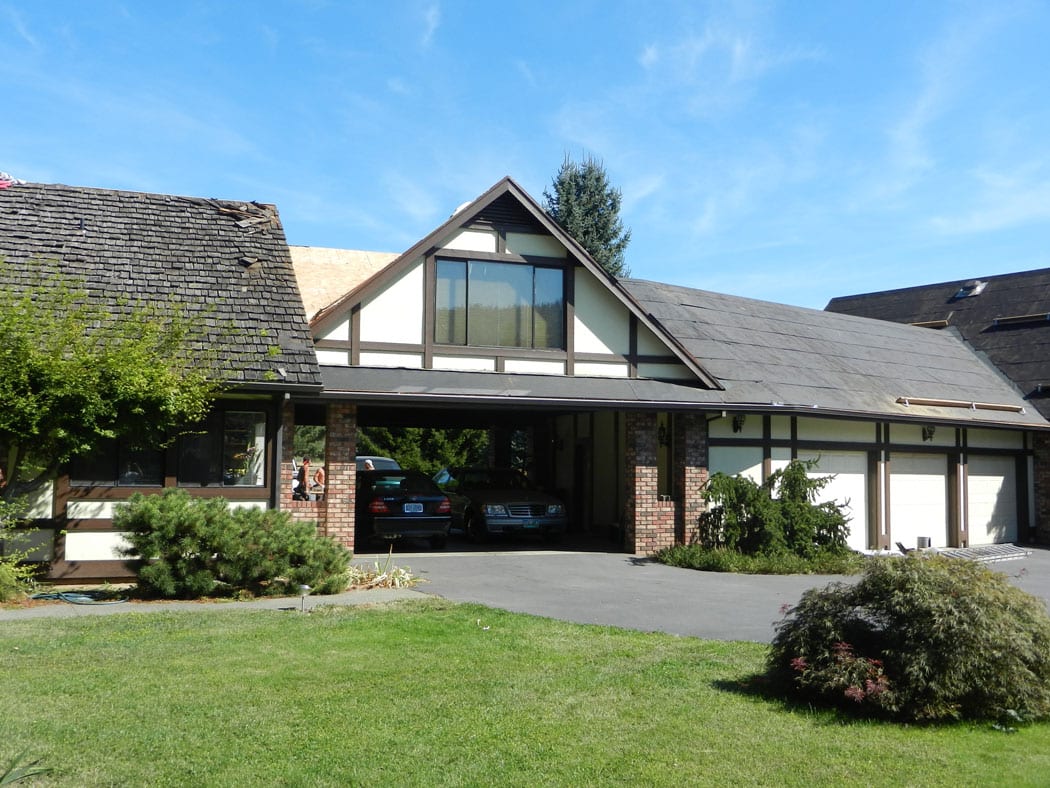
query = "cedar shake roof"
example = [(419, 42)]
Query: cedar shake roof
[(225, 263), (326, 275), (1008, 321)]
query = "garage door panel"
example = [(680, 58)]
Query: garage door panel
[(919, 498), (991, 486), (848, 488)]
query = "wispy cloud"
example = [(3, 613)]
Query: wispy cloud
[(18, 24), (1006, 201), (431, 21), (943, 77)]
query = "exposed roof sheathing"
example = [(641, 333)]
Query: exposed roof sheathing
[(225, 263), (326, 275)]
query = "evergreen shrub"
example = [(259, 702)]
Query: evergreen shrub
[(922, 638), (185, 547)]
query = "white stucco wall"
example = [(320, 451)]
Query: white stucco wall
[(471, 241), (396, 313), (601, 323)]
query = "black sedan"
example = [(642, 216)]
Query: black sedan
[(490, 501), (398, 504)]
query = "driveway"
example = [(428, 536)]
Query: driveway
[(600, 587)]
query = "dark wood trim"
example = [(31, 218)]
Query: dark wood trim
[(333, 344), (632, 347), (1024, 513), (355, 335), (77, 571), (429, 310), (958, 525), (569, 295), (466, 255)]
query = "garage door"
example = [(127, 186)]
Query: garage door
[(850, 486), (992, 499), (918, 498)]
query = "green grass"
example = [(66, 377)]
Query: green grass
[(421, 693)]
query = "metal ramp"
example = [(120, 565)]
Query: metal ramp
[(986, 553)]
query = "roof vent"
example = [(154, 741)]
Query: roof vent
[(972, 288)]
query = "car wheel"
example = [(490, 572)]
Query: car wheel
[(438, 542), (474, 529)]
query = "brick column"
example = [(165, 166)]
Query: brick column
[(690, 473), (1041, 471), (650, 522), (340, 472)]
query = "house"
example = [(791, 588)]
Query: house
[(627, 393), (227, 264), (1006, 318), (633, 392)]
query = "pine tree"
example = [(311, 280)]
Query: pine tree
[(585, 205)]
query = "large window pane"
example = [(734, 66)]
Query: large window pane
[(116, 464), (548, 311), (488, 304), (500, 305), (243, 448)]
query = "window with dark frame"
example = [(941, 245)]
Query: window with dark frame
[(490, 304)]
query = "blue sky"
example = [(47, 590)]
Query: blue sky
[(784, 151)]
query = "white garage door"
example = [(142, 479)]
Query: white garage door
[(992, 506), (918, 498), (849, 487)]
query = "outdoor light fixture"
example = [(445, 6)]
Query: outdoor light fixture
[(738, 422), (928, 431), (661, 434)]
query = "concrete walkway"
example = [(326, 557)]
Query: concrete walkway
[(585, 586)]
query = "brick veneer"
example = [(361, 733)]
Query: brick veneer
[(690, 473), (334, 515), (650, 522)]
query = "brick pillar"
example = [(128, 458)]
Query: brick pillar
[(650, 522), (340, 472), (1041, 471), (690, 473)]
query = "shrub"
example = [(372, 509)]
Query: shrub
[(781, 515), (919, 638), (720, 559), (17, 574), (186, 547)]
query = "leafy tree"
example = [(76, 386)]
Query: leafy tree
[(424, 448), (585, 205), (75, 373)]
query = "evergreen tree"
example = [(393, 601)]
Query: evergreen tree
[(585, 205)]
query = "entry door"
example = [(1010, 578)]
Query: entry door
[(918, 498), (991, 484)]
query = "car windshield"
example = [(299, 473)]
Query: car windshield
[(496, 479)]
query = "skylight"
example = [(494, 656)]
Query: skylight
[(972, 288)]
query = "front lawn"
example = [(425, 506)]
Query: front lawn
[(435, 693)]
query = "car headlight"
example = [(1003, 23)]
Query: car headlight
[(495, 510), (555, 509)]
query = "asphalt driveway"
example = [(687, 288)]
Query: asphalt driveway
[(595, 586)]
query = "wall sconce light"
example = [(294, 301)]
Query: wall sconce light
[(661, 435), (928, 431), (738, 422)]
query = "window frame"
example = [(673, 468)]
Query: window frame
[(462, 327)]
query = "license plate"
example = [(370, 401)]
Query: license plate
[(413, 508)]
